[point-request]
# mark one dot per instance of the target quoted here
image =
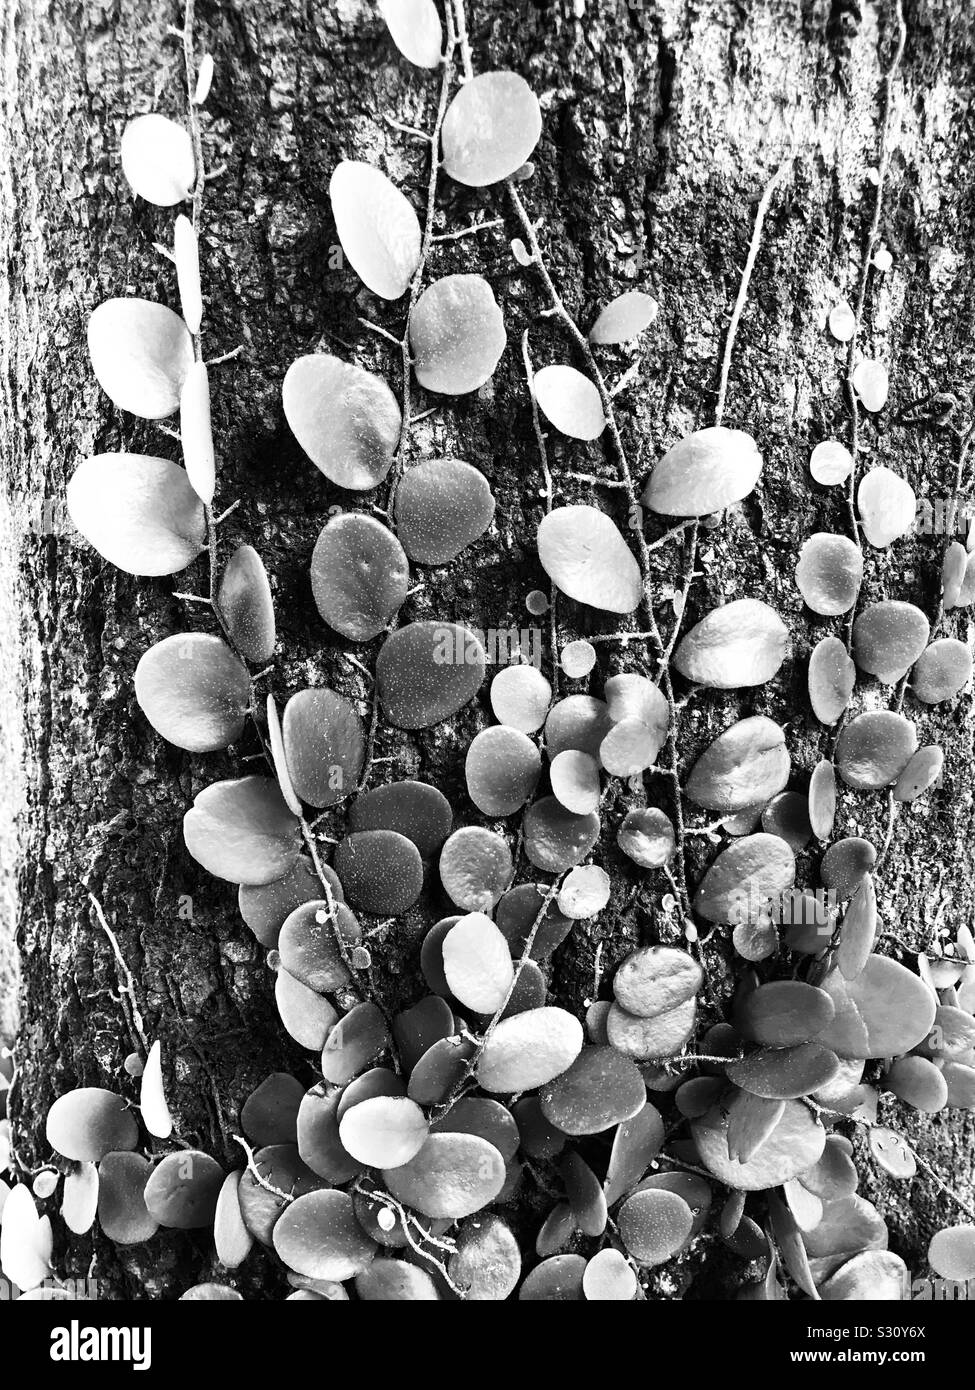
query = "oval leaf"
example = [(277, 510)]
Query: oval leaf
[(139, 513), (345, 419), (742, 644), (583, 553)]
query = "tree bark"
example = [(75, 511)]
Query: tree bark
[(663, 122)]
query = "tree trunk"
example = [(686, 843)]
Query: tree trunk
[(663, 122)]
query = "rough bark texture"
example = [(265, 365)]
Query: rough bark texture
[(663, 122)]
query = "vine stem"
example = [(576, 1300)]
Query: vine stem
[(416, 284), (863, 285), (764, 203), (460, 16), (454, 1095), (560, 311), (922, 1163), (547, 475), (966, 437), (933, 1173), (127, 986), (259, 1178), (378, 1194)]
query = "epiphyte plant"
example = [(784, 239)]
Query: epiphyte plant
[(389, 1176)]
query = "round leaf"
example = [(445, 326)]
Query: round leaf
[(529, 1050), (584, 892), (795, 1144), (784, 1013), (88, 1123), (656, 979), (477, 963), (578, 721), (442, 505), (319, 1143), (787, 815), (921, 772), (520, 697), (345, 419), (395, 1281), (874, 749), (139, 513), (414, 26), (516, 916), (356, 1040), (428, 671), (575, 781), (887, 506), (845, 865), (310, 951), (193, 691), (556, 1280), (319, 1236), (555, 839), (624, 318), (378, 229), (830, 463), (381, 871), (888, 638), (645, 1039), (456, 333), (453, 1175), (585, 556), (475, 868), (871, 383), (829, 573), (601, 1088), (501, 769), (884, 1012), (487, 1261), (324, 746), (707, 471), (654, 1225), (745, 766), (785, 1073), (414, 809), (742, 644), (384, 1131), (647, 837), (122, 1211), (141, 353), (745, 878), (269, 1114), (183, 1188), (279, 1166), (306, 1015), (491, 127), (832, 676), (873, 1276), (157, 160), (246, 606), (242, 831), (569, 401), (942, 670), (951, 1253)]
